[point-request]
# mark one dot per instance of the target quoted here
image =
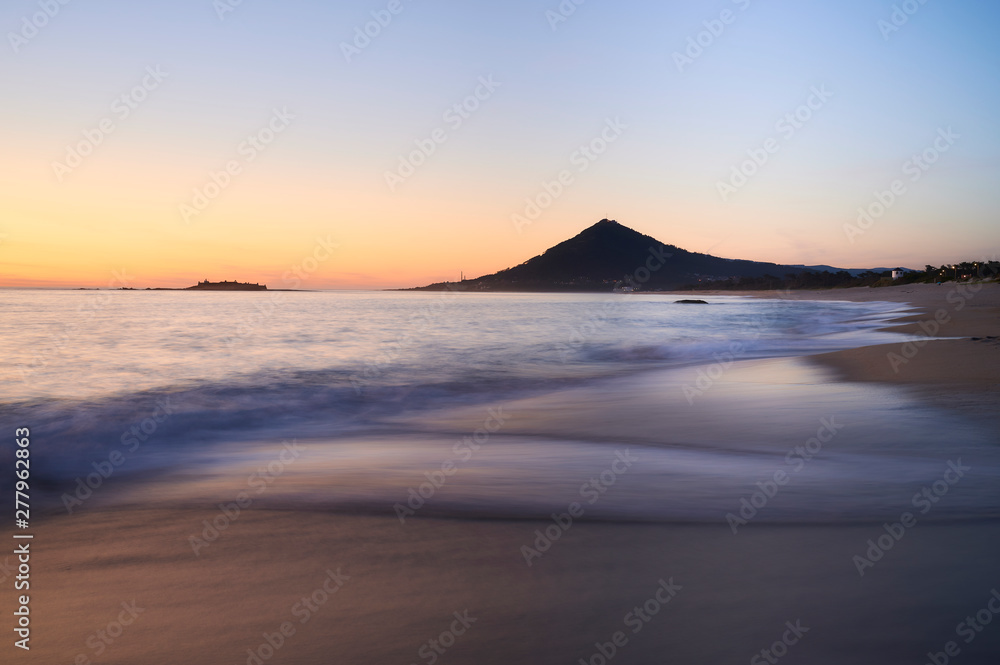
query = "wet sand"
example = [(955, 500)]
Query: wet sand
[(945, 310), (963, 374), (406, 582), (405, 585)]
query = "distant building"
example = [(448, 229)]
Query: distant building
[(896, 274)]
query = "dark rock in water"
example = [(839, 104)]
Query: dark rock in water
[(226, 286), (690, 302)]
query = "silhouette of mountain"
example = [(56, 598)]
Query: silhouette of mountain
[(609, 255)]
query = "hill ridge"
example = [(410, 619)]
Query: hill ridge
[(609, 255)]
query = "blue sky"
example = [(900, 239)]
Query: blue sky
[(686, 130)]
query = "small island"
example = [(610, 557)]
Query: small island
[(226, 286)]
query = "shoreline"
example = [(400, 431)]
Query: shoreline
[(403, 583), (956, 365), (968, 312)]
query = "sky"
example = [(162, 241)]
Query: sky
[(394, 143)]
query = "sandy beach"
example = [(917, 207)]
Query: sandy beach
[(405, 585), (959, 373), (122, 585)]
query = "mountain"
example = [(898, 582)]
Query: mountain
[(609, 254)]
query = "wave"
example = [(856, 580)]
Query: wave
[(161, 427), (534, 478)]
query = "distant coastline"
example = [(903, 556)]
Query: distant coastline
[(204, 286)]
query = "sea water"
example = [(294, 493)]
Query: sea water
[(480, 405)]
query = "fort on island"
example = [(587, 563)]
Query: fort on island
[(227, 286)]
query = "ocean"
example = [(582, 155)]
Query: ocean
[(473, 405)]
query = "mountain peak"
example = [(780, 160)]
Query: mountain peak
[(606, 224), (604, 254), (605, 230)]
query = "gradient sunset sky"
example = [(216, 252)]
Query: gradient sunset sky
[(889, 91)]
